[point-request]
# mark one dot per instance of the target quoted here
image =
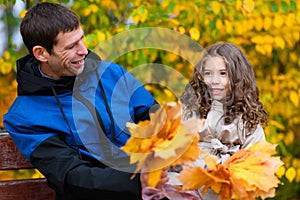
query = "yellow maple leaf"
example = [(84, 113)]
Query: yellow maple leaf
[(162, 142)]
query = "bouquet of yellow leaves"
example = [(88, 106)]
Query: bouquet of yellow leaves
[(247, 174), (165, 141), (161, 142)]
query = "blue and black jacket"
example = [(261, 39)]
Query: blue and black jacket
[(71, 128)]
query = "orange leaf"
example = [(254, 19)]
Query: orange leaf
[(154, 177), (195, 177), (211, 161), (264, 147), (252, 171), (162, 141), (247, 174)]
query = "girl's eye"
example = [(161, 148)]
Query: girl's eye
[(206, 73), (223, 73)]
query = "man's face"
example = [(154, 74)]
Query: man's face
[(67, 56)]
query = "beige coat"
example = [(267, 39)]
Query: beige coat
[(223, 140)]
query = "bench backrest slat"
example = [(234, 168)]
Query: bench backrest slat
[(12, 159), (29, 189), (10, 156)]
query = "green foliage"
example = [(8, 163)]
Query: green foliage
[(267, 31)]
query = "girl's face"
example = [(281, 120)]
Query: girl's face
[(216, 77)]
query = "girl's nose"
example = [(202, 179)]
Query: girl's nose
[(215, 79)]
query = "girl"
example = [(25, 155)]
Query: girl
[(224, 96), (223, 93)]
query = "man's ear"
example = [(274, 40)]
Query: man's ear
[(40, 53)]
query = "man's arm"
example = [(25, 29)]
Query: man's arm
[(75, 178)]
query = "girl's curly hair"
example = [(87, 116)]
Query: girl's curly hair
[(243, 94)]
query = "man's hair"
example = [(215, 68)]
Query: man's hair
[(43, 22)]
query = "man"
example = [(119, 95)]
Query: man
[(69, 118)]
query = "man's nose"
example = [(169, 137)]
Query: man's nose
[(82, 50)]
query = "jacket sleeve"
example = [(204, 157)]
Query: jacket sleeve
[(74, 178)]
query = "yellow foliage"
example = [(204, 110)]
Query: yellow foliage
[(279, 42), (289, 39), (298, 175), (281, 171), (259, 24), (228, 26), (37, 174), (296, 35), (140, 14), (278, 21), (296, 163), (267, 23), (268, 48), (248, 5), (6, 55), (238, 5), (144, 15), (86, 12), (298, 17), (23, 13), (177, 9), (289, 138), (100, 35), (94, 8), (290, 19), (181, 30), (239, 28), (249, 22), (294, 97), (219, 24), (276, 124), (76, 5), (290, 174), (260, 49), (216, 7), (5, 68), (164, 4), (109, 4), (194, 33), (174, 21), (268, 39)]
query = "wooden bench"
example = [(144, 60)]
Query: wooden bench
[(25, 189)]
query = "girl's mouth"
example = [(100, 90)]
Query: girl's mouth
[(217, 91)]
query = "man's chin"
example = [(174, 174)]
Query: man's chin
[(77, 71)]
